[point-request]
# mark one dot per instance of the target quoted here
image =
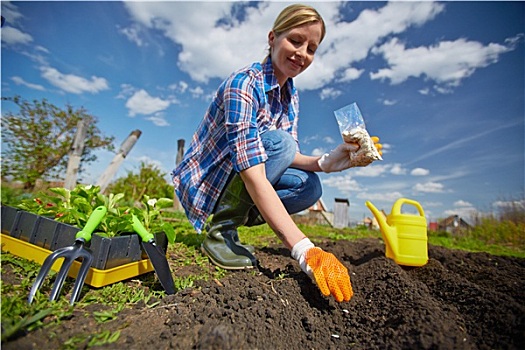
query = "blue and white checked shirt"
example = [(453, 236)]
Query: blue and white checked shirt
[(247, 104)]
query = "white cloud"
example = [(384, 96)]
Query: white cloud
[(20, 81), (328, 139), (347, 43), (194, 26), (383, 197), (447, 63), (126, 90), (513, 204), (309, 139), (329, 93), (73, 83), (374, 170), (429, 187), (388, 102), (350, 74), (133, 35), (213, 29), (13, 36), (181, 86), (343, 183), (142, 103), (419, 172), (318, 152), (462, 203), (10, 11), (397, 169), (378, 169), (196, 92), (158, 120)]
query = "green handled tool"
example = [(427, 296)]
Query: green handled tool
[(70, 254), (156, 255)]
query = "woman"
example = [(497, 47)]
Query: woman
[(244, 166)]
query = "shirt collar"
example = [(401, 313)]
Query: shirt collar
[(270, 80)]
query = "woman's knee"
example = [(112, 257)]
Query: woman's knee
[(313, 186), (279, 143), (299, 189)]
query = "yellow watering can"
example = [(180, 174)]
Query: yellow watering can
[(405, 235)]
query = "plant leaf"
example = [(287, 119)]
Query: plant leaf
[(164, 203)]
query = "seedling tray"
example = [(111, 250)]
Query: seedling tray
[(95, 277), (51, 235)]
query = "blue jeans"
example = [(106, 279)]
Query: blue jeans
[(297, 189)]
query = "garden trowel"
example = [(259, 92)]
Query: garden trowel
[(156, 255)]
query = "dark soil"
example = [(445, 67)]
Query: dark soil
[(459, 300)]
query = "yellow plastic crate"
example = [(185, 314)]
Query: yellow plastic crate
[(95, 277)]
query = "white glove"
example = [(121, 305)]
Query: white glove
[(338, 159)]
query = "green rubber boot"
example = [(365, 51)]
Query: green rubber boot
[(222, 244), (254, 218)]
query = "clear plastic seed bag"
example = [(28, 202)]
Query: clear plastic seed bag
[(353, 130)]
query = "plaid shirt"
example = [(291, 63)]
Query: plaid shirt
[(247, 104)]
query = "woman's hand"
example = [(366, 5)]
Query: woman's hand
[(329, 274), (338, 159)]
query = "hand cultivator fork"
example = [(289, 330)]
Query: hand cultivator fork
[(70, 254)]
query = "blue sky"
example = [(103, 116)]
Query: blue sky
[(441, 83)]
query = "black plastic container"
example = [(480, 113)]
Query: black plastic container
[(52, 235), (24, 226), (9, 218)]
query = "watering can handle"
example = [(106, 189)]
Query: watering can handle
[(396, 209)]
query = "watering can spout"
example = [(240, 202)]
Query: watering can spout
[(381, 219), (388, 232)]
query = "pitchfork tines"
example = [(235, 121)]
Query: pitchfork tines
[(70, 254)]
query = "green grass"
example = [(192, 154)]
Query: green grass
[(505, 239), (262, 236), (473, 243)]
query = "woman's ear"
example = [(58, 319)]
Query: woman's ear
[(271, 38)]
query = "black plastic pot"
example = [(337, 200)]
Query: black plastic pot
[(9, 218), (124, 249), (44, 233), (24, 225), (114, 251), (52, 235), (64, 236)]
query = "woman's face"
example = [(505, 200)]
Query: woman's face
[(293, 51)]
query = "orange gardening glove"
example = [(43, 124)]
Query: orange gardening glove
[(378, 146), (329, 274)]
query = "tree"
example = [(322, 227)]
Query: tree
[(37, 140), (149, 180)]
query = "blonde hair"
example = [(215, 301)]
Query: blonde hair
[(296, 15)]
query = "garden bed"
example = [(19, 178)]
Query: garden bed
[(459, 300)]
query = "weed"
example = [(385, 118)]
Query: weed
[(107, 315), (280, 276), (183, 283), (106, 337)]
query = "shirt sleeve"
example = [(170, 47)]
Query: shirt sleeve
[(242, 99)]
